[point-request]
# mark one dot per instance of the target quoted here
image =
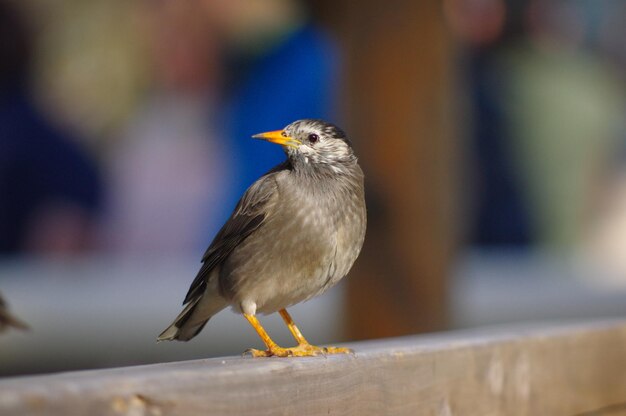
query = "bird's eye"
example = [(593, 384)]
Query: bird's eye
[(313, 138), (283, 133)]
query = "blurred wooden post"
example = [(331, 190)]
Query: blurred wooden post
[(396, 98)]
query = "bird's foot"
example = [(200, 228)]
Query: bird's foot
[(302, 350), (337, 350)]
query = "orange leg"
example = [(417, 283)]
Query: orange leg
[(304, 349), (303, 344), (269, 343), (292, 327)]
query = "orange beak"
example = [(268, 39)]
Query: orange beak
[(278, 137)]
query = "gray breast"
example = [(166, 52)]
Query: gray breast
[(309, 241)]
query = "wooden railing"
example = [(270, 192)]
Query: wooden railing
[(545, 369)]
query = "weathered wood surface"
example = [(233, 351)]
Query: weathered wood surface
[(565, 369)]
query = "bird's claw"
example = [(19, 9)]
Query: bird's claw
[(302, 350), (257, 353), (337, 350)]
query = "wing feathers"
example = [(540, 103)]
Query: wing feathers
[(247, 217)]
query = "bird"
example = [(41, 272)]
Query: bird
[(7, 320), (295, 233)]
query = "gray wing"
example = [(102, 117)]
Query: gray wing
[(247, 217)]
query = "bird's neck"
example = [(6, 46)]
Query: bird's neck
[(326, 181), (325, 171)]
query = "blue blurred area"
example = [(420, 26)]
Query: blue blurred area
[(545, 89), (40, 167), (50, 189), (296, 79), (502, 215)]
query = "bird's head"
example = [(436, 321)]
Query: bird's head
[(313, 143)]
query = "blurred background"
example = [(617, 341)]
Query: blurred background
[(492, 134)]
